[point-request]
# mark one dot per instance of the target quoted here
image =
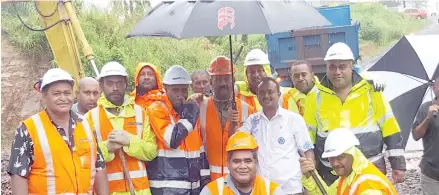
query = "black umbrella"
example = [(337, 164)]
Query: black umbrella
[(408, 70), (190, 19)]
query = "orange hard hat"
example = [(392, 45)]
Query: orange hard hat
[(220, 66), (241, 141)]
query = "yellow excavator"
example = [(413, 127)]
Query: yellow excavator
[(63, 33)]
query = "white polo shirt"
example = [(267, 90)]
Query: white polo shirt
[(278, 140)]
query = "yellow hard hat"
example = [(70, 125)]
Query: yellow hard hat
[(241, 141)]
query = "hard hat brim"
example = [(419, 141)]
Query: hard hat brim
[(331, 154), (241, 148)]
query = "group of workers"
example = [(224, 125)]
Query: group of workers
[(159, 140)]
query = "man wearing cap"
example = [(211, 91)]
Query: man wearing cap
[(147, 84), (357, 175), (280, 135), (217, 116), (123, 133), (256, 67), (181, 166), (55, 151), (87, 94), (346, 100), (243, 165)]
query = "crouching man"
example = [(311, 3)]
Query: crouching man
[(356, 174), (242, 163)]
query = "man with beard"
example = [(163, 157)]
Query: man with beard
[(147, 85), (123, 132), (280, 134), (344, 99), (242, 155), (87, 94), (256, 67), (217, 118), (181, 166), (55, 151), (201, 82)]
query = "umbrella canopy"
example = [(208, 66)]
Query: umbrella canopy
[(408, 69), (190, 19)]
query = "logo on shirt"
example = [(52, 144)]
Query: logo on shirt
[(281, 140)]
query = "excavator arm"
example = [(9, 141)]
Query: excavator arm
[(63, 31)]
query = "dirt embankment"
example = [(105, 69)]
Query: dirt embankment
[(19, 99)]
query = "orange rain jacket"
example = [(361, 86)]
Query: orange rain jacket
[(181, 166), (153, 95)]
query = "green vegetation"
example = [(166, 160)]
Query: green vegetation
[(106, 32), (380, 27)]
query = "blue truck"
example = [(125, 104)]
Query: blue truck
[(311, 44)]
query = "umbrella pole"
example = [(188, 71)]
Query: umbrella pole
[(233, 79)]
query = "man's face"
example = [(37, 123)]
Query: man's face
[(88, 95), (255, 74), (200, 83), (340, 72), (114, 89), (268, 95), (177, 94), (59, 97), (342, 164), (147, 79), (222, 86), (242, 166), (302, 77)]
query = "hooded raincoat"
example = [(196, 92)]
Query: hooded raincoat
[(244, 93), (143, 147), (153, 95), (181, 166), (365, 112), (365, 179)]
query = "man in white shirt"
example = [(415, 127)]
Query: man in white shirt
[(280, 134)]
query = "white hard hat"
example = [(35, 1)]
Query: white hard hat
[(339, 51), (256, 57), (54, 75), (177, 75), (338, 141), (113, 69)]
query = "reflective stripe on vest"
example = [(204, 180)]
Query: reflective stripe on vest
[(139, 129), (366, 177), (217, 169), (48, 157), (174, 184), (371, 127)]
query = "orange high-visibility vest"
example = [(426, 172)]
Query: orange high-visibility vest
[(136, 168), (56, 170), (289, 103), (215, 138), (370, 178), (177, 160), (262, 186), (252, 101)]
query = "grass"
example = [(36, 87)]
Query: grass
[(381, 28)]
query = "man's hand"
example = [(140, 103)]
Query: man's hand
[(120, 136), (306, 165), (431, 109), (113, 146), (378, 86), (197, 97), (398, 176), (232, 115)]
